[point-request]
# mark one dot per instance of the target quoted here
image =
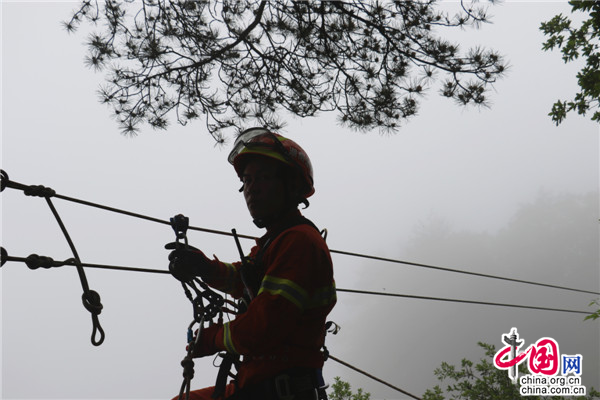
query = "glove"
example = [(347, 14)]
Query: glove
[(206, 345), (186, 264)]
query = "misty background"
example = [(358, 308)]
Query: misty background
[(500, 191)]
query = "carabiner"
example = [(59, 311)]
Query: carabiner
[(180, 224)]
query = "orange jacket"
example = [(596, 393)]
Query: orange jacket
[(284, 325)]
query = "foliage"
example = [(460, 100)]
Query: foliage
[(574, 43), (233, 62), (483, 381), (341, 391), (596, 314)]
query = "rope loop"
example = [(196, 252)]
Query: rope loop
[(97, 329), (39, 191)]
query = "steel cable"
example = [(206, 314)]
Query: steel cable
[(15, 185), (70, 262)]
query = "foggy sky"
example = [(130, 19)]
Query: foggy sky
[(500, 191)]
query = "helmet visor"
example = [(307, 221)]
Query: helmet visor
[(248, 140), (243, 140)]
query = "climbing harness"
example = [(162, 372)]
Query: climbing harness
[(251, 275), (90, 298)]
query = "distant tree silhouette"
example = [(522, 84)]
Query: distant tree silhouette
[(483, 380), (553, 230), (235, 62)]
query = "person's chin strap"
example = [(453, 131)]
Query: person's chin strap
[(271, 219), (261, 222)]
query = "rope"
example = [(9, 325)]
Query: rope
[(188, 374), (35, 261), (90, 298), (49, 262), (15, 185), (373, 377), (146, 217), (461, 301), (461, 271)]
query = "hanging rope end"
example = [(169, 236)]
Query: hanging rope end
[(91, 302), (97, 330)]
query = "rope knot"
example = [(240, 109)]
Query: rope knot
[(188, 367), (39, 191), (91, 302), (33, 261), (3, 256), (3, 180)]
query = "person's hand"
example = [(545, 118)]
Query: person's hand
[(206, 343), (187, 263)]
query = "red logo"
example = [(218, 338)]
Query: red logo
[(543, 356)]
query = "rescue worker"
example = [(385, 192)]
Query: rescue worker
[(288, 279)]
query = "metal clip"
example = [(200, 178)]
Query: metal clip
[(180, 224)]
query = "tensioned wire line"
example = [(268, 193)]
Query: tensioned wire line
[(49, 262), (15, 185), (46, 262)]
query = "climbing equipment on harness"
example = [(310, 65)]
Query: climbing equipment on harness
[(333, 328), (90, 298), (230, 360), (202, 313)]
